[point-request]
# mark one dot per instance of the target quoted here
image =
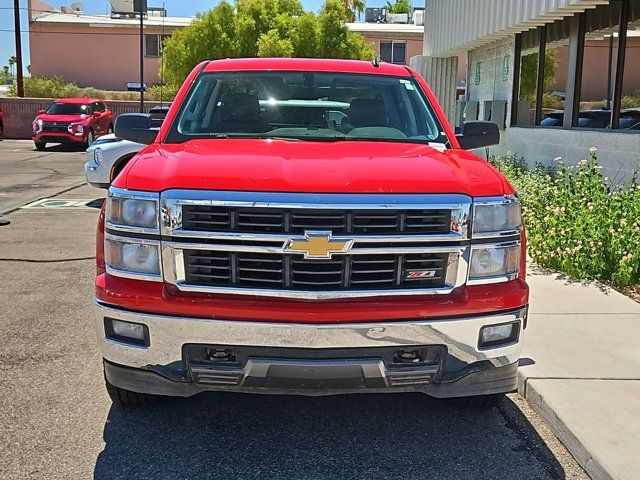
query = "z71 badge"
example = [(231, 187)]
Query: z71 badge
[(419, 274)]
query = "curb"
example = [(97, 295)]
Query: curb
[(576, 448)]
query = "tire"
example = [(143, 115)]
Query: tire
[(110, 130), (480, 401), (90, 138), (40, 145), (1, 130), (128, 399)]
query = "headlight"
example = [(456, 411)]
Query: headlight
[(97, 156), (130, 257), (75, 128), (496, 217), (494, 263), (37, 126), (132, 211)]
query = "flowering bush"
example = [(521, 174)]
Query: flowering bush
[(575, 222)]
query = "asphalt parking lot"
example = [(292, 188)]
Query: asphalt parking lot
[(56, 420)]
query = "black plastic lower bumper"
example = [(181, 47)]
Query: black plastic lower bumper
[(326, 377)]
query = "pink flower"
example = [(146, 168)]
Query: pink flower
[(593, 150)]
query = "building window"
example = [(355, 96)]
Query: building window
[(153, 44), (629, 107), (595, 58), (393, 52)]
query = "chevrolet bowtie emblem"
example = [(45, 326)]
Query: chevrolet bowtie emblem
[(317, 245)]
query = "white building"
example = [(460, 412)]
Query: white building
[(587, 92)]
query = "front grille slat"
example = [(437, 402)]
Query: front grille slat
[(296, 221), (294, 272)]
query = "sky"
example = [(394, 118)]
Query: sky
[(175, 8)]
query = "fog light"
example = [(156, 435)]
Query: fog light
[(493, 335), (128, 332)]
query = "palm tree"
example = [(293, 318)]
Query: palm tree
[(354, 7), (12, 62)]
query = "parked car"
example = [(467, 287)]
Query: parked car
[(72, 120), (1, 123), (629, 119), (313, 227), (109, 154)]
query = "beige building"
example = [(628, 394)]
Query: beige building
[(587, 92)]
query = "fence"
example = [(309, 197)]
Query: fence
[(20, 112)]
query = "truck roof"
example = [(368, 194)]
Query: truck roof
[(307, 64), (81, 100)]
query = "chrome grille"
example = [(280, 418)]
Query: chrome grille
[(294, 272), (204, 218), (253, 243)]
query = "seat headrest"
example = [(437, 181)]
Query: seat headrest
[(238, 107), (367, 112)]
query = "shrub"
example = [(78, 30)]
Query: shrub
[(164, 93), (549, 100), (631, 100), (54, 87), (575, 222)]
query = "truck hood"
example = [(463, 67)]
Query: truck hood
[(266, 165)]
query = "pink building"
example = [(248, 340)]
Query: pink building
[(95, 50), (103, 52)]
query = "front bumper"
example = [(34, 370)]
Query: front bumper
[(310, 359), (58, 137), (97, 175)]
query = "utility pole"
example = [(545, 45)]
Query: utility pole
[(142, 7), (16, 17)]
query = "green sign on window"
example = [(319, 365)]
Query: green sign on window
[(478, 73), (505, 67)]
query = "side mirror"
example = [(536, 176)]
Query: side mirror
[(135, 127), (478, 135), (97, 114), (41, 111)]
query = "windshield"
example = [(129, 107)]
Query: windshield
[(57, 108), (306, 106)]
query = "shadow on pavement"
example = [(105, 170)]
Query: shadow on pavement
[(225, 435), (63, 147)]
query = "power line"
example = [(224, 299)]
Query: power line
[(49, 32)]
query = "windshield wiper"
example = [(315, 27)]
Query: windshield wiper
[(258, 137)]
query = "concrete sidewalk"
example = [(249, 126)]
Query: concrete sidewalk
[(581, 371)]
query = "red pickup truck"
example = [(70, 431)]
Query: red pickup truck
[(311, 227), (72, 120)]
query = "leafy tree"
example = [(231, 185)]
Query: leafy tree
[(400, 6), (262, 28), (306, 36), (271, 45), (529, 74), (12, 62), (354, 8)]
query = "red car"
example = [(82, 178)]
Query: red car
[(72, 120), (312, 227)]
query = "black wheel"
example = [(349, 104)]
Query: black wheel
[(40, 145), (480, 401), (89, 138), (128, 399), (1, 130), (110, 129)]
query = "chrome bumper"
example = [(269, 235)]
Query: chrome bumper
[(163, 369)]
